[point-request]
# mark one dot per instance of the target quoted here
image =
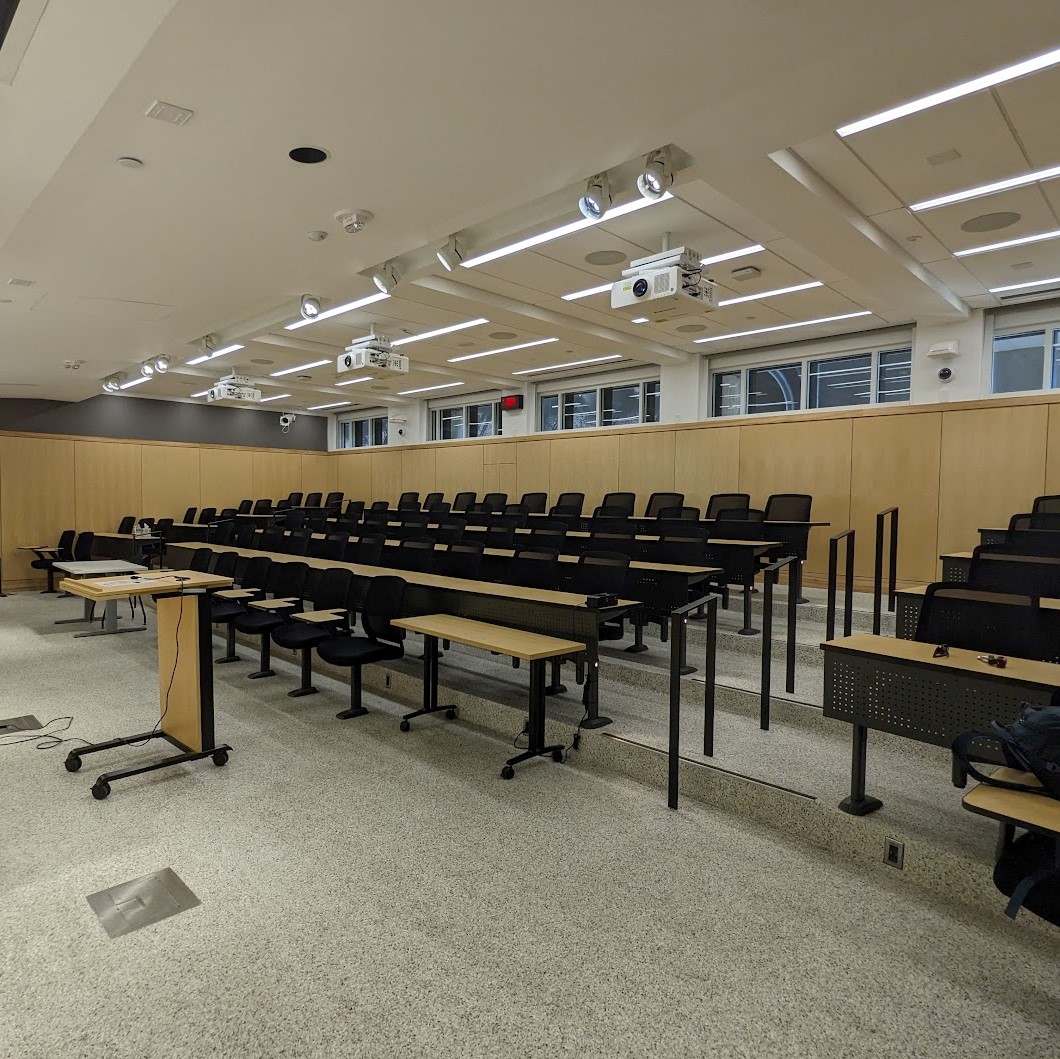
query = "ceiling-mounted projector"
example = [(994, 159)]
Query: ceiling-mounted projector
[(235, 388), (665, 286), (373, 352)]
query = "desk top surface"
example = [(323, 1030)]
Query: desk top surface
[(1024, 670), (157, 584), (99, 567), (529, 646), (1021, 807)]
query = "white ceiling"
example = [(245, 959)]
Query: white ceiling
[(484, 119)]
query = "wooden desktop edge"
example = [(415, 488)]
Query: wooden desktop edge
[(517, 643)]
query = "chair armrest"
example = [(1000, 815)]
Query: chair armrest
[(236, 593), (273, 604), (321, 617)]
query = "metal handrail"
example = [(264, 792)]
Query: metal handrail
[(678, 628), (892, 573), (848, 587), (772, 574)]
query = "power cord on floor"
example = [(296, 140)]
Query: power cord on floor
[(49, 740)]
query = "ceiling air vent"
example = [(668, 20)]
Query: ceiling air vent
[(1033, 296), (169, 112)]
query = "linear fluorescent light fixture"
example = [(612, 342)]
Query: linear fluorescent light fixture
[(300, 367), (1001, 290), (321, 407), (771, 293), (134, 382), (578, 294), (338, 310), (427, 389), (201, 393), (214, 354), (998, 77), (732, 255), (1034, 177), (350, 382), (274, 397), (503, 349), (783, 327), (1039, 238), (565, 229), (639, 320), (440, 331), (571, 363)]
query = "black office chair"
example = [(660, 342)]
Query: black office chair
[(332, 548), (409, 502), (520, 512), (382, 641), (499, 536), (535, 503), (225, 611), (625, 502), (368, 550), (272, 540), (225, 565), (549, 532), (437, 510), (245, 507), (462, 501), (996, 568), (313, 499), (297, 543), (416, 554), (148, 521), (433, 498), (495, 501), (536, 567), (479, 508), (281, 506), (611, 540), (1045, 520), (727, 502), (376, 519), (415, 520), (331, 593), (262, 507), (48, 557), (164, 528), (742, 514), (462, 560), (450, 532), (287, 581), (788, 507), (354, 511), (244, 535), (189, 515), (82, 551), (380, 505), (295, 520), (569, 504), (207, 515), (1046, 505), (607, 511), (126, 524), (200, 560), (685, 514), (294, 500), (222, 533), (659, 501), (604, 572), (333, 501)]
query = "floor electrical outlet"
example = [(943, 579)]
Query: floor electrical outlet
[(894, 853)]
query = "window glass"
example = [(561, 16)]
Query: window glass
[(549, 417), (620, 405), (1056, 358), (777, 389), (362, 433), (840, 381), (380, 429), (452, 420), (893, 375), (345, 435), (726, 400), (1019, 362), (579, 410), (480, 420), (652, 401)]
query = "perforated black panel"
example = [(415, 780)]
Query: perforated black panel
[(956, 569), (906, 615)]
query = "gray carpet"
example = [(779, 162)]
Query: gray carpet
[(368, 893)]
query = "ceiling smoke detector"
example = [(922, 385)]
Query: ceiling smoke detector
[(318, 235), (169, 112), (353, 221), (745, 273), (72, 365)]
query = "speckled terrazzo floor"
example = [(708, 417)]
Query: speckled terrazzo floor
[(366, 893)]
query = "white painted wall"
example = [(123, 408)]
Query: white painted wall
[(971, 366)]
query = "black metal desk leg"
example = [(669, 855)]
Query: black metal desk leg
[(859, 804), (556, 685), (591, 693), (430, 685), (536, 725), (638, 644), (748, 629)]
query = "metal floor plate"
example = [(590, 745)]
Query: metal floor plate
[(29, 723), (141, 902)]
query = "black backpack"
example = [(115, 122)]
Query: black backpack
[(1031, 744)]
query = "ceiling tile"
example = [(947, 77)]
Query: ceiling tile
[(957, 277), (907, 230), (830, 156), (1029, 202), (1030, 103)]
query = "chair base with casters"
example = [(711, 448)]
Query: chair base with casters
[(430, 656)]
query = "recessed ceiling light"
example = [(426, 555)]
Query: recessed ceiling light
[(214, 354), (732, 255), (572, 363), (129, 162), (605, 257), (300, 367), (134, 382), (261, 360), (350, 382), (565, 229), (501, 336), (1040, 237), (783, 327), (1024, 286), (337, 310), (965, 88), (321, 407), (1034, 177), (771, 293), (589, 291), (991, 222), (503, 349), (427, 389), (274, 397), (440, 331), (691, 329), (308, 155)]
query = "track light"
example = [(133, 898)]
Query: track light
[(161, 364), (387, 277), (310, 307), (112, 383), (451, 255), (657, 176), (147, 369), (597, 198)]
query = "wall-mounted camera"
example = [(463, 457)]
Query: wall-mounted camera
[(286, 421), (945, 374)]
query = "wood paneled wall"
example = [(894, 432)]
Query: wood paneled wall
[(949, 468), (49, 484)]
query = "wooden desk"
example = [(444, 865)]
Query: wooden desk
[(99, 568), (897, 686), (185, 667), (516, 643)]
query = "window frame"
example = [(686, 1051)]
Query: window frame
[(370, 422), (1050, 331), (436, 414), (560, 390)]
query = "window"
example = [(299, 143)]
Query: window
[(361, 433), (466, 421), (841, 381), (608, 406), (1019, 363)]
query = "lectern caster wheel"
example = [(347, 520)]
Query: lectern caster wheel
[(507, 772), (220, 757), (100, 790), (72, 762), (404, 726), (558, 756), (450, 714)]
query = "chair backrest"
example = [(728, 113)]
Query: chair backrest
[(225, 564), (788, 507), (295, 520), (332, 588), (297, 543), (500, 536), (376, 518), (368, 549), (245, 507), (1046, 505), (417, 553), (625, 502), (409, 502), (535, 503), (995, 567), (313, 499), (553, 529), (126, 524), (163, 527), (294, 499), (271, 540), (517, 511), (83, 548), (200, 560), (601, 572), (333, 500), (380, 505), (495, 501), (609, 511), (569, 500), (450, 532), (461, 560), (720, 502), (288, 580), (189, 515), (222, 533), (354, 509), (536, 567), (741, 514), (687, 514), (415, 519), (282, 505), (462, 501), (977, 619), (207, 514), (438, 509), (148, 521), (256, 572), (228, 513), (682, 551), (1045, 520), (65, 546), (479, 507), (262, 507), (433, 498), (565, 510), (658, 501), (244, 535), (384, 601)]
